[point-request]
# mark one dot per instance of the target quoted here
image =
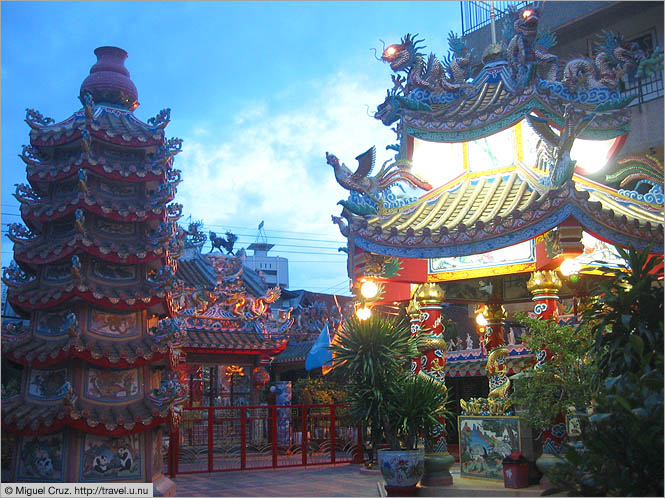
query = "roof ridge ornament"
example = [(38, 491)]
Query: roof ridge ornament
[(553, 151)]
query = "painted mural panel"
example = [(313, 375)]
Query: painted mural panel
[(54, 324), (60, 272), (114, 324), (111, 458), (47, 384), (113, 272), (41, 458), (114, 228), (523, 252), (483, 444), (112, 385)]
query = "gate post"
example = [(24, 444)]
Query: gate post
[(273, 414), (333, 437), (210, 439), (243, 437), (305, 409), (360, 447)]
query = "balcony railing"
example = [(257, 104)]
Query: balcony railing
[(477, 14), (645, 89)]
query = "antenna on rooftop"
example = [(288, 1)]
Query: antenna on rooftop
[(261, 237)]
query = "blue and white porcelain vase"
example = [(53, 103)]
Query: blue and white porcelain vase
[(402, 470)]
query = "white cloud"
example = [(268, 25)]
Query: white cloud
[(272, 167)]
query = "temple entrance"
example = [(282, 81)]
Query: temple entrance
[(227, 438)]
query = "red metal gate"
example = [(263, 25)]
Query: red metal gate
[(218, 439)]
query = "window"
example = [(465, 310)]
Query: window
[(645, 89)]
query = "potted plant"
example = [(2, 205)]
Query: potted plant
[(374, 356)]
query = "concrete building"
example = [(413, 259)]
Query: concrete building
[(274, 269)]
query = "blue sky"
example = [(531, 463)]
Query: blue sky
[(258, 91)]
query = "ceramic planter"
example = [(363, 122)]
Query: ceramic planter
[(402, 470)]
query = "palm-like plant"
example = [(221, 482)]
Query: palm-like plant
[(421, 401), (371, 354), (374, 357)]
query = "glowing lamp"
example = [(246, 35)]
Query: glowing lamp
[(391, 51), (369, 289), (526, 14), (570, 267), (481, 320), (363, 313)]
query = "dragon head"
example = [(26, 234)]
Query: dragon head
[(402, 55), (526, 23), (389, 111), (619, 51)]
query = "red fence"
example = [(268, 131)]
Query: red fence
[(217, 439)]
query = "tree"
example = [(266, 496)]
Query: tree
[(621, 452), (566, 379)]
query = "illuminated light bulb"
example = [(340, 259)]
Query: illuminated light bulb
[(369, 289), (391, 51), (569, 267), (363, 313), (526, 14), (481, 320)]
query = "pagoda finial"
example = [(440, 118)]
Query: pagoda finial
[(109, 80)]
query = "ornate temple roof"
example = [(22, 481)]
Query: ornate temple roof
[(195, 270), (96, 282), (501, 144), (37, 351), (295, 352), (490, 212), (42, 249), (130, 170), (227, 308), (108, 124), (131, 205), (23, 415)]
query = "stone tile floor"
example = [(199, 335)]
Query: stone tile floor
[(325, 480)]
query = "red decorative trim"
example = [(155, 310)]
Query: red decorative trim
[(86, 356), (82, 425), (87, 295), (95, 168), (93, 250), (95, 208)]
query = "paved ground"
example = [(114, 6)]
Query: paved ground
[(325, 480)]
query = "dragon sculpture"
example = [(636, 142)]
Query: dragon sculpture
[(553, 151), (244, 305), (613, 60), (432, 75), (519, 36), (360, 181)]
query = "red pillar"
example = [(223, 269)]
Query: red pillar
[(545, 287), (426, 319)]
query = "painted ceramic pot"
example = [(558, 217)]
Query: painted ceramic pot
[(402, 468)]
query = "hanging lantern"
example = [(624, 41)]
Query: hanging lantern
[(261, 377)]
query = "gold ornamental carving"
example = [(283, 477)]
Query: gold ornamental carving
[(495, 313), (429, 293), (544, 282)]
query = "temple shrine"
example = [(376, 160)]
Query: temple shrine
[(231, 332), (90, 386), (490, 192)]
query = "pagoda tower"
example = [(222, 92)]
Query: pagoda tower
[(93, 275)]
